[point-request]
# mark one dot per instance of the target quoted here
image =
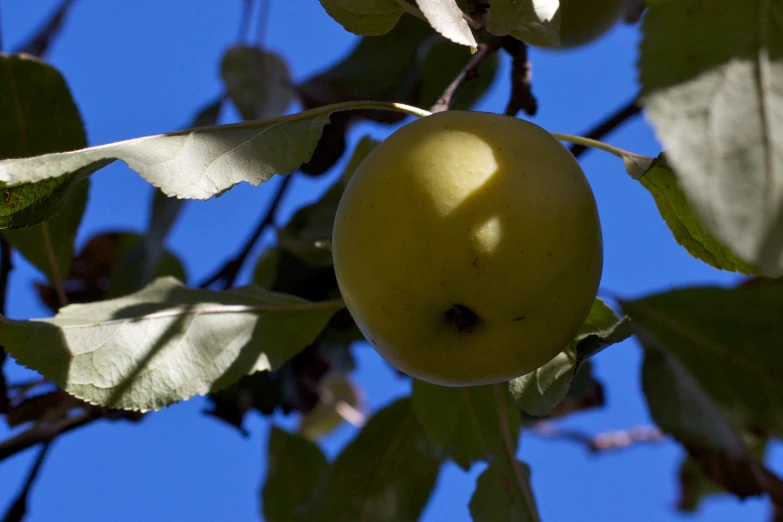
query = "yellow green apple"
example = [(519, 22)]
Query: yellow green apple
[(467, 247)]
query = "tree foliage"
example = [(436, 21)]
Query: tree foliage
[(129, 332)]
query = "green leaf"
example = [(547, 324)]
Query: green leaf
[(139, 264), (682, 408), (462, 420), (503, 492), (386, 474), (687, 229), (313, 223), (539, 392), (257, 81), (727, 340), (712, 97), (441, 63), (165, 343), (447, 18), (61, 231), (362, 76), (34, 101), (295, 466), (536, 22), (140, 259), (695, 484), (367, 17), (267, 266)]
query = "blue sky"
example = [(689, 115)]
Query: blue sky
[(144, 67)]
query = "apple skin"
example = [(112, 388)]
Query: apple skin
[(583, 21), (467, 247)]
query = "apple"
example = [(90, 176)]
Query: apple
[(582, 21), (467, 247)]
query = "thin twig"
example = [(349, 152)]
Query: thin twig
[(42, 433), (263, 21), (521, 79), (229, 271), (40, 43), (57, 278), (244, 21), (468, 72), (609, 124), (609, 440), (6, 265), (18, 509)]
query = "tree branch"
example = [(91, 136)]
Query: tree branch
[(609, 440), (17, 511), (6, 265), (521, 79), (43, 433), (40, 43), (228, 273), (609, 124), (46, 432), (468, 72), (244, 21)]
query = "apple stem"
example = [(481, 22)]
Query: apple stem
[(595, 144)]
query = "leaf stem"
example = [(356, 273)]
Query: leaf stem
[(57, 279), (509, 445)]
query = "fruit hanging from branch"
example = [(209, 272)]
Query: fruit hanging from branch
[(468, 248)]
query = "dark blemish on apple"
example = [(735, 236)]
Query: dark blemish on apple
[(475, 261), (462, 317), (549, 253), (518, 318)]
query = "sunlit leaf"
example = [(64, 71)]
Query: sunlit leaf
[(165, 343), (536, 22), (294, 466), (709, 73), (687, 229), (447, 18), (196, 163)]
